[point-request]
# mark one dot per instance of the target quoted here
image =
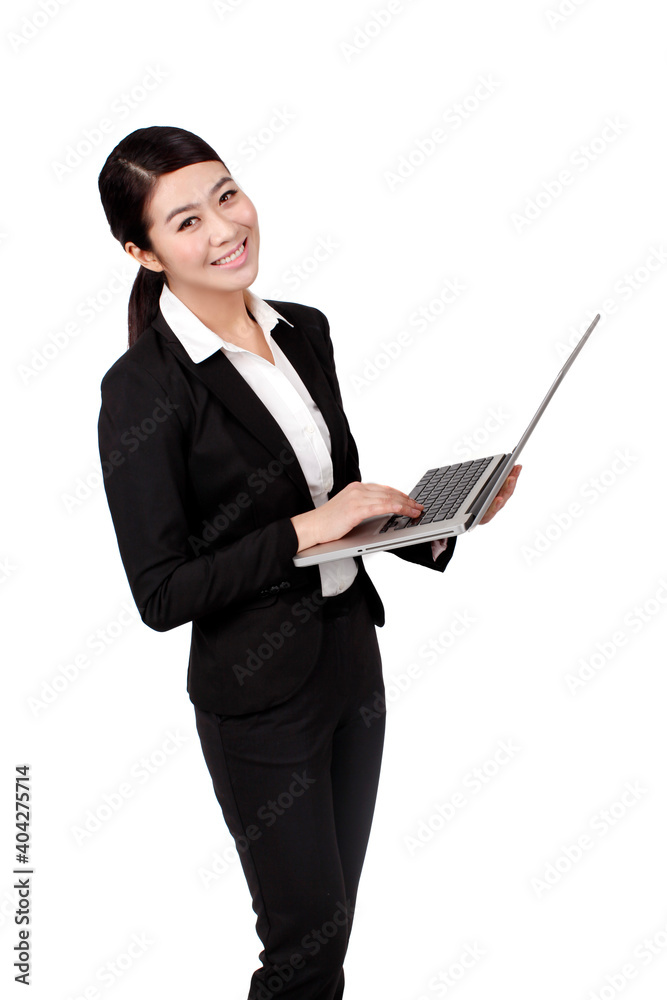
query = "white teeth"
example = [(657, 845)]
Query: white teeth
[(226, 260)]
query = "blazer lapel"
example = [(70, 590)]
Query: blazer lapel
[(221, 377)]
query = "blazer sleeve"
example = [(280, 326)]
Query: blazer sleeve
[(420, 553), (145, 481)]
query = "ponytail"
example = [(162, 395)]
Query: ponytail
[(144, 302)]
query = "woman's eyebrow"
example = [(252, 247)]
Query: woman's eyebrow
[(187, 208)]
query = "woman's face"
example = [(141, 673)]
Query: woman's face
[(198, 216)]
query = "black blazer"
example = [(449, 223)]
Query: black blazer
[(201, 484)]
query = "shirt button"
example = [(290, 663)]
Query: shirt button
[(310, 429)]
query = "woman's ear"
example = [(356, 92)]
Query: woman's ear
[(145, 257)]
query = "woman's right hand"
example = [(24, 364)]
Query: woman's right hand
[(353, 504)]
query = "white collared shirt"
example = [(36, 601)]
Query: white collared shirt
[(285, 396)]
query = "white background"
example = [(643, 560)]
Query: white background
[(318, 105)]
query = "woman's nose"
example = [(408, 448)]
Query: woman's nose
[(222, 233)]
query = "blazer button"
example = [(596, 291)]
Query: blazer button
[(284, 584)]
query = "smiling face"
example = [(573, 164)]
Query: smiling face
[(198, 217)]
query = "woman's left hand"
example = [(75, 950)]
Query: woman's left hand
[(503, 496)]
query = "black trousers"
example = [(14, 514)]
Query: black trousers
[(297, 785)]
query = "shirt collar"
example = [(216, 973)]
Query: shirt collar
[(201, 342)]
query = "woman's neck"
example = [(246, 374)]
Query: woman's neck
[(225, 313)]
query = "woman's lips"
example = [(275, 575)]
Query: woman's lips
[(237, 260)]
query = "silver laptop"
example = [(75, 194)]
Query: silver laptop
[(455, 497)]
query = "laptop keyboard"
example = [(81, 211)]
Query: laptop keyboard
[(441, 491)]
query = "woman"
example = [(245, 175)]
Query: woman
[(226, 450)]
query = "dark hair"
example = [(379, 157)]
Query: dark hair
[(127, 182)]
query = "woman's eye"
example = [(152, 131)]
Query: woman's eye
[(224, 195)]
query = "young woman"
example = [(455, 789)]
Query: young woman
[(226, 450)]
